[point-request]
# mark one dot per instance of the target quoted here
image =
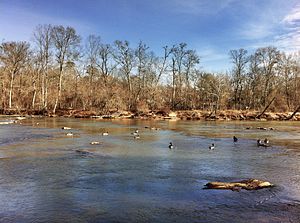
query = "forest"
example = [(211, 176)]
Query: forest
[(60, 70)]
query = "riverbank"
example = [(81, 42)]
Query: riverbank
[(224, 115)]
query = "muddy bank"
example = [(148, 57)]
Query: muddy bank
[(227, 115)]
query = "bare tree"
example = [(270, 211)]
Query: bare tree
[(105, 61), (92, 53), (43, 41), (268, 58), (14, 56), (164, 63), (66, 43), (124, 56), (190, 62), (239, 59), (183, 62), (288, 70)]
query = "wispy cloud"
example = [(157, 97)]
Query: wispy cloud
[(259, 22), (293, 17), (204, 7), (275, 26), (290, 39), (255, 31)]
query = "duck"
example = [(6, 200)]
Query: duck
[(105, 133), (235, 139), (69, 134), (212, 146), (66, 128), (135, 133), (136, 136), (260, 143), (262, 128), (154, 128), (266, 141), (171, 145)]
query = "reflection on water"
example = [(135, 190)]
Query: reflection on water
[(123, 179)]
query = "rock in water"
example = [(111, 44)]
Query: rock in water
[(83, 152), (95, 143), (250, 184)]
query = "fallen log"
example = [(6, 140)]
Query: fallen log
[(294, 113), (250, 184), (258, 116)]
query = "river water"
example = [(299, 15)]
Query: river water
[(44, 179)]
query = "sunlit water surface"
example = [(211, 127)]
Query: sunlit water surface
[(44, 179)]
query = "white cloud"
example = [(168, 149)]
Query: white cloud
[(289, 42), (253, 31), (290, 39), (293, 17), (203, 7)]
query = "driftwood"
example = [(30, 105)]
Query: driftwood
[(263, 112), (294, 113), (250, 184)]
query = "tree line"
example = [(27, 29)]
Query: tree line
[(59, 70)]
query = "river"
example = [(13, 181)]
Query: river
[(123, 179)]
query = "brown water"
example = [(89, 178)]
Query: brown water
[(44, 179)]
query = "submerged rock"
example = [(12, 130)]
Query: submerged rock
[(82, 152), (95, 143), (250, 184)]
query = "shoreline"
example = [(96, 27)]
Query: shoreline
[(222, 115)]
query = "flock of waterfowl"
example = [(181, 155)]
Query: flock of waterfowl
[(250, 184), (136, 135), (264, 143)]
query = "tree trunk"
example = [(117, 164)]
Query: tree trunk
[(59, 90), (294, 113), (173, 93), (43, 90), (34, 95), (46, 90), (10, 90), (173, 84), (129, 91), (265, 108)]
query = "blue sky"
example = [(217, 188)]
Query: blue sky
[(212, 27)]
